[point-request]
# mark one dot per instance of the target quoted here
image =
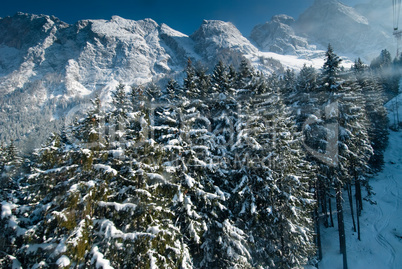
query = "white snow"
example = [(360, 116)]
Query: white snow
[(61, 248), (35, 247), (395, 108), (118, 206), (99, 260), (16, 263), (189, 181), (6, 209), (63, 261), (152, 261), (155, 177), (40, 265), (178, 197), (309, 58), (352, 13), (118, 153), (12, 222), (154, 230), (111, 231), (105, 168)]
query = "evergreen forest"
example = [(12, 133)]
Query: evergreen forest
[(229, 168)]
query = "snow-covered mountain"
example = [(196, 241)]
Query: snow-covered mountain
[(350, 32), (278, 35), (48, 66), (378, 11), (362, 31), (215, 38), (84, 55), (78, 59)]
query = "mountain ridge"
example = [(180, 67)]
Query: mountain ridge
[(47, 62)]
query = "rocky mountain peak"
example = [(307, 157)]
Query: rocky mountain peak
[(211, 28), (283, 18), (121, 28), (216, 37), (25, 30), (278, 36)]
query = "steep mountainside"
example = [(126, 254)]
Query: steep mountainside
[(85, 55), (215, 38), (330, 21), (279, 36)]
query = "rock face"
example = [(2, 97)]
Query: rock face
[(218, 38), (85, 55), (278, 36), (48, 67)]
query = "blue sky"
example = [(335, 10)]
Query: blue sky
[(182, 15)]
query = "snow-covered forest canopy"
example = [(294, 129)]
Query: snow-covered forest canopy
[(228, 169)]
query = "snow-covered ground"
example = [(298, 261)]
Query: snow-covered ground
[(381, 220), (314, 58)]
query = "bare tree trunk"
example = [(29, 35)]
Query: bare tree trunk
[(324, 208), (357, 211), (341, 224), (359, 195), (349, 188), (330, 212), (317, 223), (319, 245)]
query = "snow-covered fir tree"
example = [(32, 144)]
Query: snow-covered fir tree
[(374, 97)]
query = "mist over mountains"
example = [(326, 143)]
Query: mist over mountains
[(47, 66)]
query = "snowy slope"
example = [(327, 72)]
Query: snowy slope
[(381, 219), (348, 31)]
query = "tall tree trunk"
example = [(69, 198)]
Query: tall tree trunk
[(345, 260), (359, 195), (341, 224), (319, 245), (349, 187), (317, 223), (357, 211), (324, 207), (330, 212)]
